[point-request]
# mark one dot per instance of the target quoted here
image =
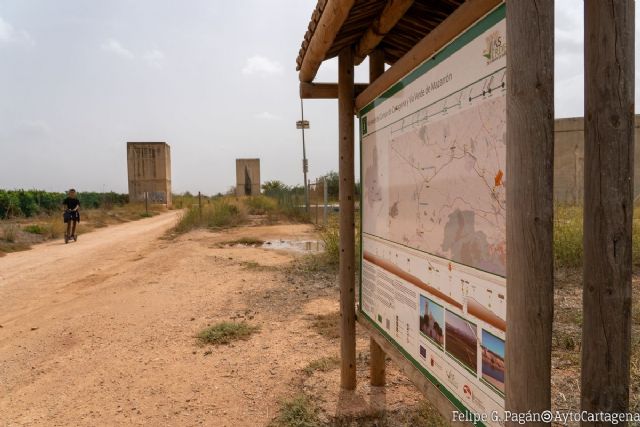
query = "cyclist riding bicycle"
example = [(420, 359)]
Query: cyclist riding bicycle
[(71, 215)]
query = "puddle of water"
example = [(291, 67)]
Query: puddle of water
[(295, 245)]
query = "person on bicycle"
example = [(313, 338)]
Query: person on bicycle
[(71, 214)]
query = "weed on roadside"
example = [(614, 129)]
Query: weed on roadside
[(226, 332), (298, 411), (324, 364)]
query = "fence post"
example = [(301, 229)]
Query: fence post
[(326, 201)]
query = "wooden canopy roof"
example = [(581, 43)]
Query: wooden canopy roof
[(392, 26)]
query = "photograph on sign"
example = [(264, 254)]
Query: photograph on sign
[(433, 210)]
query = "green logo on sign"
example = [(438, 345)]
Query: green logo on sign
[(363, 124)]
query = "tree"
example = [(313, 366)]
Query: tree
[(274, 188)]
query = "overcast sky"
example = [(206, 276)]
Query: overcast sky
[(216, 80)]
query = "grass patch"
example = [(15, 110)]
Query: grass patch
[(255, 266), (226, 332), (220, 213), (260, 205), (568, 234), (8, 247), (35, 229), (327, 325), (324, 364), (245, 241), (297, 412)]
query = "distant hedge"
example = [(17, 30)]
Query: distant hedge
[(27, 203)]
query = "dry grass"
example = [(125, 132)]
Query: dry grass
[(327, 325), (226, 332), (298, 411), (324, 364), (220, 213)]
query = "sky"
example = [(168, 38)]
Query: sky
[(215, 80)]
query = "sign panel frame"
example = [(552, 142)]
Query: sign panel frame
[(489, 326)]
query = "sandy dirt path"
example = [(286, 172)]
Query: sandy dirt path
[(101, 332)]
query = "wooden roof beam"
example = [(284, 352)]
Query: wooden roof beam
[(334, 14), (393, 11), (325, 90), (465, 15)]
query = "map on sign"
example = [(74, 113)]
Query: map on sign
[(433, 152), (446, 183)]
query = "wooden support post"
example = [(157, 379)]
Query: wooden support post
[(377, 355), (378, 364), (530, 138), (608, 204), (347, 226), (376, 65)]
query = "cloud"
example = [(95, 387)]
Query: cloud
[(265, 115), (8, 34), (114, 46), (154, 57), (260, 65)]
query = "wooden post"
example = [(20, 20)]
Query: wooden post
[(200, 204), (530, 122), (378, 356), (608, 204), (325, 212), (315, 196), (347, 226)]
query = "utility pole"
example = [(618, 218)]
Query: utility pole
[(304, 124)]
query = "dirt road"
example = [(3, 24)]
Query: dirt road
[(101, 332)]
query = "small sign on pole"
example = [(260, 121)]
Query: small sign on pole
[(302, 124)]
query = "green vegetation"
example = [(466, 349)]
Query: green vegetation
[(29, 203), (35, 229), (330, 236), (226, 332), (297, 412), (324, 364), (568, 235)]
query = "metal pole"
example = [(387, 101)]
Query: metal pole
[(305, 165)]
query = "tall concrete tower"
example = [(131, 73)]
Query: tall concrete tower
[(149, 168), (247, 177)]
